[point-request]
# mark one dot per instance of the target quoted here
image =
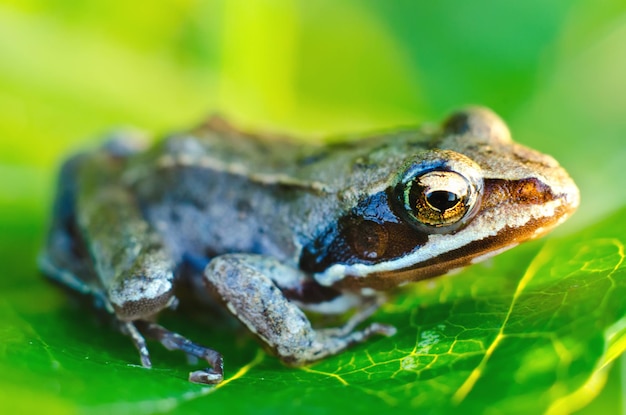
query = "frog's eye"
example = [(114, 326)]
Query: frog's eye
[(438, 199)]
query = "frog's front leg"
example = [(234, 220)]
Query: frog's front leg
[(246, 284)]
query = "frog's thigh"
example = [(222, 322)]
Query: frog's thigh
[(258, 303)]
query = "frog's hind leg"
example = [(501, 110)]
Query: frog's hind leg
[(101, 245), (243, 284), (135, 266), (64, 258)]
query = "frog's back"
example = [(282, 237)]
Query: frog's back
[(218, 190)]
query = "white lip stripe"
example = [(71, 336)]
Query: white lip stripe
[(493, 253), (486, 225)]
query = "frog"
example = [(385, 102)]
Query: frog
[(273, 230)]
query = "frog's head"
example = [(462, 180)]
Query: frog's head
[(473, 194)]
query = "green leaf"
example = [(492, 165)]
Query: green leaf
[(530, 332)]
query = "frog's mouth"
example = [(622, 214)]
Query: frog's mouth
[(512, 212), (451, 261)]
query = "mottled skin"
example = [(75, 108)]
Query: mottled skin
[(271, 228)]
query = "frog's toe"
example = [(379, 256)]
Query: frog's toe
[(206, 376), (386, 330)]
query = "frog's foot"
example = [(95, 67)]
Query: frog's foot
[(331, 341), (174, 341), (242, 284), (363, 313)]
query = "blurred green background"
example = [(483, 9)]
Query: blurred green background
[(69, 71), (72, 70)]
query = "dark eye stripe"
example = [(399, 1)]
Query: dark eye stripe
[(378, 224), (370, 233)]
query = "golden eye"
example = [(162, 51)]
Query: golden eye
[(438, 198)]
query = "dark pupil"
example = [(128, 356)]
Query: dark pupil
[(442, 200)]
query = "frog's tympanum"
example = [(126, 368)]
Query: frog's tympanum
[(272, 228)]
